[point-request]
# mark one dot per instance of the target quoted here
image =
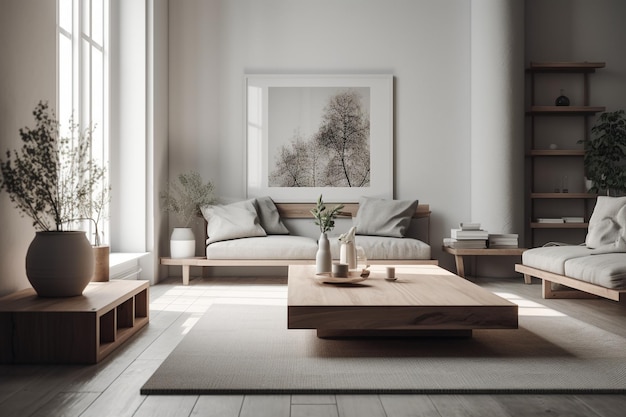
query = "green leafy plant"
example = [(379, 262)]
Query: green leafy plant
[(51, 178), (605, 153), (325, 218), (187, 196)]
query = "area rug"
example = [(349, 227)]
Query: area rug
[(247, 349)]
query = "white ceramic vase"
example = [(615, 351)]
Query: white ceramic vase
[(182, 243), (59, 264), (347, 254), (323, 259)]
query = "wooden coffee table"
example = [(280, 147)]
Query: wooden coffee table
[(426, 300)]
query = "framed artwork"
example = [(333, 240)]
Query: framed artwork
[(319, 134)]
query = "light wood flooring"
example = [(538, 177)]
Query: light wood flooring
[(111, 388)]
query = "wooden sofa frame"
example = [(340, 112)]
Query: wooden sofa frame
[(580, 289), (298, 211)]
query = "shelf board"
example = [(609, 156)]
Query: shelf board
[(562, 195), (557, 152), (565, 66), (559, 225), (568, 110)]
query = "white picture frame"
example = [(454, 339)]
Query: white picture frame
[(287, 116)]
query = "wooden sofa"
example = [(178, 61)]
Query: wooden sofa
[(299, 211), (583, 273)]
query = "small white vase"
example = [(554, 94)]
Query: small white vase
[(182, 243), (347, 254), (323, 260)]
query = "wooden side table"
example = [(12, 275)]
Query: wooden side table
[(460, 253), (81, 329)]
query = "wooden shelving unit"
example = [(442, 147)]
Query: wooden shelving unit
[(539, 199), (82, 329)]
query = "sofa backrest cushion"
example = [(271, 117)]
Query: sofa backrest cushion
[(269, 216), (232, 221), (607, 226), (380, 217)]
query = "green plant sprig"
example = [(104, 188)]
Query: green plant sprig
[(605, 153), (324, 218), (186, 197)]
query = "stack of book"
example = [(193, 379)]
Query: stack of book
[(468, 236), (503, 240)]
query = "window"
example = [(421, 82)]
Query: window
[(82, 76)]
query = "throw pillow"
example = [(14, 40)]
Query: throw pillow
[(607, 225), (380, 217), (269, 217), (232, 221)]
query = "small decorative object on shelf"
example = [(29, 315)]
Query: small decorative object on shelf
[(565, 186), (561, 100), (325, 219)]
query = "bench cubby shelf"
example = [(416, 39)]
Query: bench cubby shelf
[(82, 329)]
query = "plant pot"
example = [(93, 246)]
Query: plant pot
[(101, 270), (59, 264), (182, 243)]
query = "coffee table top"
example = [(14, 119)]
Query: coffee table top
[(417, 285)]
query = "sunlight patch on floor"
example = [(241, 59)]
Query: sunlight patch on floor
[(528, 307), (189, 323)]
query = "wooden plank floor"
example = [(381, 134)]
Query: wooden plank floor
[(111, 388)]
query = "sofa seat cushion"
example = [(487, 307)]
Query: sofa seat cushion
[(268, 247), (381, 247), (606, 270), (553, 258)]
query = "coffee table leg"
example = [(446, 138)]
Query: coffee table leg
[(460, 267)]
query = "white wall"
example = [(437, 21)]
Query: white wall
[(424, 44), (27, 75), (582, 30)]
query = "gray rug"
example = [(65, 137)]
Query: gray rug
[(244, 349)]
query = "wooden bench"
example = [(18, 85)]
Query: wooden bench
[(298, 211)]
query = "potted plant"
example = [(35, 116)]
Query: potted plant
[(51, 179), (325, 219), (185, 198), (605, 154), (92, 209)]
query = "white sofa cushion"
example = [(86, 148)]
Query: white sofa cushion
[(381, 217), (553, 258), (380, 247), (269, 247), (607, 226), (269, 216), (232, 221), (607, 270)]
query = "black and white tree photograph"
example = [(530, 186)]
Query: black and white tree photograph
[(319, 137), (313, 134)]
